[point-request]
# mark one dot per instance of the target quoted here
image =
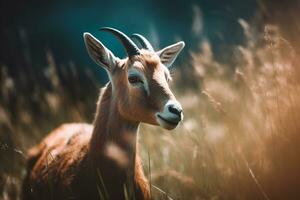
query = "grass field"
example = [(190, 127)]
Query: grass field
[(239, 138)]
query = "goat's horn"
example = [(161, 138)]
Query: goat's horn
[(130, 47), (143, 41)]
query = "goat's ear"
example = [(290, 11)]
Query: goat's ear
[(169, 54), (99, 53)]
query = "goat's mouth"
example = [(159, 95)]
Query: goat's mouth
[(166, 123)]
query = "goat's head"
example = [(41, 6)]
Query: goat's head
[(140, 82)]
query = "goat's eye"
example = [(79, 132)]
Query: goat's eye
[(134, 79)]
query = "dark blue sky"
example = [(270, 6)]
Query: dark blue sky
[(58, 25)]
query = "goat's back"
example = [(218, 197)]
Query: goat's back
[(54, 163)]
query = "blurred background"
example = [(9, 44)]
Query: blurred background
[(237, 78)]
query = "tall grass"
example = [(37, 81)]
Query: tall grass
[(239, 138)]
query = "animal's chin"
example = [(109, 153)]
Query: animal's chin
[(166, 123)]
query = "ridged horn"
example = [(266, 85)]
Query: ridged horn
[(130, 47), (143, 41)]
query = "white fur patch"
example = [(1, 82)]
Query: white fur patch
[(135, 72)]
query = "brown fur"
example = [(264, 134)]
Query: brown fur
[(64, 165), (81, 161)]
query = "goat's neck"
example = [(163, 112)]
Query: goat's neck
[(113, 136)]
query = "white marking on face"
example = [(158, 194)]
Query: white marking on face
[(168, 119), (167, 74), (169, 115), (144, 85)]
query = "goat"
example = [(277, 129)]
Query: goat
[(101, 161)]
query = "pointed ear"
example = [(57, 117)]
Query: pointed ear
[(99, 53), (169, 54)]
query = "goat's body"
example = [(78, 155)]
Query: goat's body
[(70, 163), (59, 168), (54, 163)]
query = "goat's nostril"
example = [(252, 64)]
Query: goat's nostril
[(174, 109)]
